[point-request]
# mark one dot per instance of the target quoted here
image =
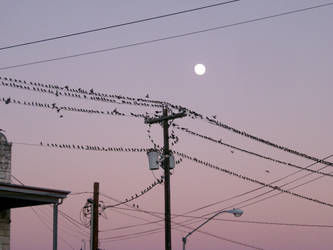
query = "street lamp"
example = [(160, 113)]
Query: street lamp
[(236, 212)]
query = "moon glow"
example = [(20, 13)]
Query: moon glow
[(200, 69)]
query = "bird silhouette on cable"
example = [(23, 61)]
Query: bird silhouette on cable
[(8, 100)]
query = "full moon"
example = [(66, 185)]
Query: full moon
[(200, 69)]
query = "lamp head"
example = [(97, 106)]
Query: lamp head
[(235, 211)]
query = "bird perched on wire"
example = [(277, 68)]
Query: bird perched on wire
[(8, 100)]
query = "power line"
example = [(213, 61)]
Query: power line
[(50, 229), (252, 198), (115, 112), (191, 158), (137, 195), (180, 225), (66, 216), (96, 96), (247, 151), (210, 165), (219, 219), (257, 189), (168, 37), (117, 25), (274, 195)]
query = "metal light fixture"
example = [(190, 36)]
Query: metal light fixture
[(236, 212)]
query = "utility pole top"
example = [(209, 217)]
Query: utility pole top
[(164, 118)]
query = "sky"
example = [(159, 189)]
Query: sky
[(270, 78)]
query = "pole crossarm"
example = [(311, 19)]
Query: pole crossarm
[(164, 118)]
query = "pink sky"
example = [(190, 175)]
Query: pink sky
[(270, 78)]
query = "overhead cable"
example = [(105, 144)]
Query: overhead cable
[(96, 96), (117, 25), (188, 157), (169, 37)]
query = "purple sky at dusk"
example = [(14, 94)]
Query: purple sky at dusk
[(271, 78)]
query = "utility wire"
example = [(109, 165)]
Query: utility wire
[(180, 225), (217, 219), (252, 198), (66, 216), (93, 95), (169, 37), (117, 25), (274, 195), (191, 158), (256, 189), (50, 229), (273, 187), (248, 152), (115, 112)]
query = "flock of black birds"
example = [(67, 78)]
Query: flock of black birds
[(118, 99), (188, 157)]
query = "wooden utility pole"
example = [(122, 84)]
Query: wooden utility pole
[(95, 217), (164, 119)]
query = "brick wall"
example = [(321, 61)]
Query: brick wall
[(5, 176)]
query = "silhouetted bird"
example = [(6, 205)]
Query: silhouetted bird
[(231, 151), (214, 116), (147, 96), (61, 116), (92, 91), (267, 171), (7, 101)]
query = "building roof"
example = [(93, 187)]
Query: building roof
[(13, 196)]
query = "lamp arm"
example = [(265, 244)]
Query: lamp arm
[(209, 219)]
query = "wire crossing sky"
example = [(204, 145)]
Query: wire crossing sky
[(118, 25), (260, 113), (154, 40)]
